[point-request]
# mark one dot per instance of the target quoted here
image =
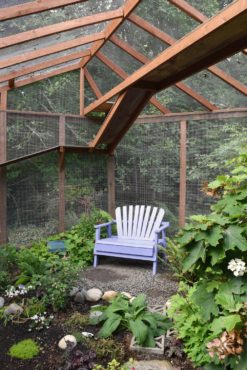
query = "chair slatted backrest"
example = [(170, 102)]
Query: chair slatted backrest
[(138, 222)]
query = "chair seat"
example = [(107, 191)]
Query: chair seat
[(125, 246)]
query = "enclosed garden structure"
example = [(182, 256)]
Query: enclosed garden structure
[(113, 102)]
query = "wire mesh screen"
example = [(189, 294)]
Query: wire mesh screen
[(79, 131), (27, 134), (147, 167), (209, 145), (59, 94), (85, 184), (32, 199)]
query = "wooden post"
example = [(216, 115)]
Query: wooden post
[(182, 182), (81, 92), (111, 184), (61, 216), (3, 172)]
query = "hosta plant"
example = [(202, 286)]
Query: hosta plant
[(210, 315), (134, 316)]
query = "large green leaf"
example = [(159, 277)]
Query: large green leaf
[(196, 252), (139, 330), (233, 238), (110, 325), (217, 254), (205, 301), (213, 235), (225, 323), (139, 302)]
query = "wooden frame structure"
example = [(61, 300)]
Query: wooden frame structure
[(212, 41)]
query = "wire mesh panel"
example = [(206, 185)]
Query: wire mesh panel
[(236, 66), (32, 199), (209, 145), (59, 94), (79, 131), (177, 101), (148, 168), (28, 134), (209, 7), (85, 184)]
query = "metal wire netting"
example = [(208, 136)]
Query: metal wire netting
[(79, 131)]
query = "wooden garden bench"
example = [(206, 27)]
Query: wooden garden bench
[(139, 231)]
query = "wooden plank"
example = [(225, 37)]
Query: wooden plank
[(111, 185), (189, 10), (219, 37), (92, 84), (120, 72), (3, 171), (33, 8), (41, 52), (164, 37), (43, 65), (127, 8), (42, 76), (81, 92), (182, 180), (59, 27), (61, 211)]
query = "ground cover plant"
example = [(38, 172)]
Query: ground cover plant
[(209, 311)]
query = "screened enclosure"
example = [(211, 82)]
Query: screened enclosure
[(112, 102)]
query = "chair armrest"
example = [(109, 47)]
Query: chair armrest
[(105, 225), (164, 226)]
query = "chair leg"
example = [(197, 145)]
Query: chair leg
[(155, 264), (95, 261)]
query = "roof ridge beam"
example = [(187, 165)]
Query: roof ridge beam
[(59, 27), (127, 8), (164, 37), (34, 7)]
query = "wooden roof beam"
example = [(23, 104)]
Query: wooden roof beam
[(127, 8), (214, 40), (25, 57), (59, 27), (43, 76), (43, 65), (164, 37), (181, 86), (33, 8), (92, 83)]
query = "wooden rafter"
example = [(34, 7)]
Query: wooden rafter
[(121, 73), (127, 8), (59, 27), (43, 65), (164, 37), (43, 76), (180, 85), (189, 10), (92, 84), (214, 40), (33, 8), (21, 58)]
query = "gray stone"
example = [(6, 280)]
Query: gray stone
[(95, 314), (150, 365), (80, 297), (1, 302), (73, 291), (93, 295), (13, 309), (67, 340)]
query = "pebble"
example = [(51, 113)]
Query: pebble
[(1, 302), (13, 309), (109, 295), (67, 340), (73, 291), (80, 297), (93, 295), (127, 295), (95, 314)]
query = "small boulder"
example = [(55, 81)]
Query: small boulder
[(1, 302), (67, 340), (13, 309), (73, 291), (93, 295), (109, 295), (80, 297), (95, 314), (127, 295), (132, 299)]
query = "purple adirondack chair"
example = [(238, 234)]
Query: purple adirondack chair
[(139, 231)]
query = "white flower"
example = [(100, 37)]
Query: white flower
[(237, 266)]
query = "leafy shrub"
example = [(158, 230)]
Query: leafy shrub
[(112, 365), (211, 315), (133, 316), (77, 320), (8, 260), (108, 347), (24, 350)]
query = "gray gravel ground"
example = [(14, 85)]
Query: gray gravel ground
[(130, 276)]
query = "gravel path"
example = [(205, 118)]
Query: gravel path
[(130, 276)]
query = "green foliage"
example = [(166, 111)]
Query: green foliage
[(77, 321), (133, 316), (112, 365), (216, 303), (108, 347), (8, 259), (24, 350)]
